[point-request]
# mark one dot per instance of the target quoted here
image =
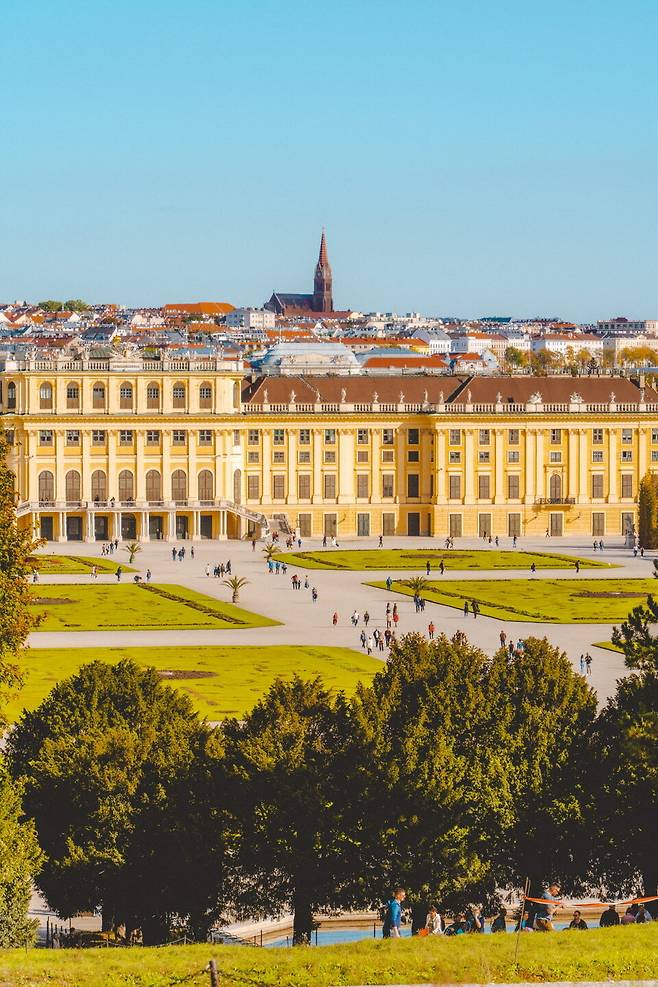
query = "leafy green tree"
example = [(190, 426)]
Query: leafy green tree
[(289, 783), (75, 305), (515, 357), (115, 767), (16, 564), (433, 786), (20, 858), (542, 715), (648, 511)]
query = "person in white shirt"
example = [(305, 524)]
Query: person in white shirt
[(433, 923)]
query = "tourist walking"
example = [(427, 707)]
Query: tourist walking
[(393, 916), (466, 608), (430, 630), (588, 663), (475, 607), (442, 567), (118, 574)]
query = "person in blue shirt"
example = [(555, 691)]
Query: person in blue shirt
[(393, 918)]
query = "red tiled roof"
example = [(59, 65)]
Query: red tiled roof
[(200, 308)]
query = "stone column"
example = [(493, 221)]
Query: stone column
[(317, 491), (346, 466), (583, 493), (539, 464), (90, 521), (613, 467), (440, 465), (468, 467), (499, 467), (530, 471), (573, 471), (267, 466), (292, 467)]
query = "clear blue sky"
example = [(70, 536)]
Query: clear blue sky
[(466, 157)]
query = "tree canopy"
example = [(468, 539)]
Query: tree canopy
[(114, 765)]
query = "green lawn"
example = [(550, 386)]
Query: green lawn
[(559, 601), (596, 955), (394, 558), (70, 565), (608, 646), (221, 682), (126, 606)]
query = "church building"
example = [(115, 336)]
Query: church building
[(320, 302)]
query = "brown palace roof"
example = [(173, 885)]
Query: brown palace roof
[(416, 389)]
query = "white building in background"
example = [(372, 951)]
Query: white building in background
[(615, 343), (563, 344), (642, 327), (250, 318), (437, 340)]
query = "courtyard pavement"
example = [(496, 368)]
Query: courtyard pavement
[(306, 623)]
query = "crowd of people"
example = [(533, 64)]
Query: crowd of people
[(539, 917)]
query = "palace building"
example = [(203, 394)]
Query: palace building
[(139, 448)]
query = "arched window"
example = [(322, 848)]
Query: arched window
[(153, 395), (205, 485), (205, 395), (72, 395), (237, 395), (98, 486), (555, 487), (153, 485), (46, 396), (178, 485), (98, 395), (72, 486), (178, 395), (11, 395), (46, 487), (237, 486), (126, 397), (126, 485)]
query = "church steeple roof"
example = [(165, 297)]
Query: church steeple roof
[(323, 259)]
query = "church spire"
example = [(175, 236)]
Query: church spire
[(322, 293)]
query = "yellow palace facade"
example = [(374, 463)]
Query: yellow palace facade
[(136, 448)]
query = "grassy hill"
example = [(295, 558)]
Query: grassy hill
[(599, 954)]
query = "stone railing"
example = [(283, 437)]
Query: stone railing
[(449, 408), (123, 365)]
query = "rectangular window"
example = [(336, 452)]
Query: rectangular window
[(126, 437), (278, 437), (98, 437), (455, 436), (484, 487), (388, 455), (597, 486), (388, 524), (513, 436), (330, 456), (304, 456), (304, 523), (627, 484), (598, 524), (362, 436), (513, 456), (387, 484), (387, 436), (304, 486), (514, 525), (484, 436), (556, 457), (363, 525), (253, 486), (205, 437), (304, 437), (45, 437), (152, 438), (454, 457), (253, 436), (278, 456), (362, 486), (597, 436), (237, 437), (178, 437), (513, 486), (412, 436), (330, 486), (597, 455), (556, 436), (654, 455), (654, 435), (483, 457), (253, 456), (455, 525), (413, 485), (413, 456), (627, 455), (330, 436), (72, 437), (455, 487), (362, 456), (279, 486), (627, 435)]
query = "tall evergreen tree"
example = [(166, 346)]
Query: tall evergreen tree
[(648, 511)]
